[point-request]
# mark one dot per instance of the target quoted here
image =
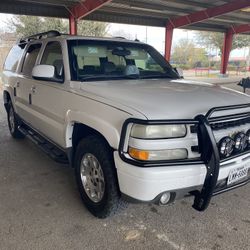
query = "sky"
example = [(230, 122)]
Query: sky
[(152, 35), (156, 36)]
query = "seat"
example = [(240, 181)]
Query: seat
[(88, 70), (58, 64), (109, 67)]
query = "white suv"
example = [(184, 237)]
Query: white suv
[(131, 127)]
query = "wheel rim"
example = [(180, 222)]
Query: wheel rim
[(92, 177), (12, 120)]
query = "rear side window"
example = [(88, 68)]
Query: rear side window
[(13, 58), (30, 59), (53, 56)]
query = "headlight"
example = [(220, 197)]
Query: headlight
[(158, 131), (158, 155)]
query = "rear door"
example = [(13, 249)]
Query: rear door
[(25, 82), (10, 71)]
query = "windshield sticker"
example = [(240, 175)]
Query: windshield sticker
[(92, 50)]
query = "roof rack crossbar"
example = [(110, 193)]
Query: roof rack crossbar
[(47, 34)]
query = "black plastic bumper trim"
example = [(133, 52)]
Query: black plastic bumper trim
[(227, 189)]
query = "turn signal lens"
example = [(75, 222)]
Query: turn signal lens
[(139, 154), (158, 155)]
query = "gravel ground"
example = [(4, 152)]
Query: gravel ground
[(40, 208)]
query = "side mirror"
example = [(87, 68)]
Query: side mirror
[(45, 73), (180, 72)]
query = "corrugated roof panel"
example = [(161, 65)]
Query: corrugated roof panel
[(142, 12)]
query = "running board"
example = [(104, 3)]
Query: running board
[(47, 147)]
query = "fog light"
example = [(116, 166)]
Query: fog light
[(240, 142), (165, 198), (248, 137), (226, 146)]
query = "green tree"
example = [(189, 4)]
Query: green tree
[(186, 54), (91, 28), (216, 39), (29, 25)]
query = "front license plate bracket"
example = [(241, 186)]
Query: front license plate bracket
[(237, 174)]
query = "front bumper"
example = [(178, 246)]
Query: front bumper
[(146, 184)]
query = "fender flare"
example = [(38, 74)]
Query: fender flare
[(106, 129)]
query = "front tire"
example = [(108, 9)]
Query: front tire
[(96, 177), (13, 122)]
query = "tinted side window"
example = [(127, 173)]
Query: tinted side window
[(30, 58), (13, 58), (53, 56)]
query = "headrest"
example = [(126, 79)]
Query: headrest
[(131, 70), (58, 66), (109, 67)]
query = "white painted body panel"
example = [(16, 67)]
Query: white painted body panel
[(166, 99), (145, 184)]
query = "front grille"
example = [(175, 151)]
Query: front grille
[(229, 124)]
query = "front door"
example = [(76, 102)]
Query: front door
[(48, 97)]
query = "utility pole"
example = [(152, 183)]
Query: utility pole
[(248, 60)]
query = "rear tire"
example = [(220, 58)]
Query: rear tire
[(96, 177), (13, 122)]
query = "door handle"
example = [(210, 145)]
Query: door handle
[(30, 99), (15, 87), (33, 89)]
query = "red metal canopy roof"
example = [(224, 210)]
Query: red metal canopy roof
[(210, 15)]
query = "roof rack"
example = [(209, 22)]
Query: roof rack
[(50, 33), (120, 37)]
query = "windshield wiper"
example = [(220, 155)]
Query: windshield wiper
[(117, 77), (108, 77), (158, 76)]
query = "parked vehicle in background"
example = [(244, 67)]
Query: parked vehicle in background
[(118, 113)]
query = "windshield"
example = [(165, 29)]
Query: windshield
[(111, 60)]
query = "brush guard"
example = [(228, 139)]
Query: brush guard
[(210, 153)]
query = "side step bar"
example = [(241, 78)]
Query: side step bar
[(50, 149)]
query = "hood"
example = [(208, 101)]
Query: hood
[(166, 99)]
